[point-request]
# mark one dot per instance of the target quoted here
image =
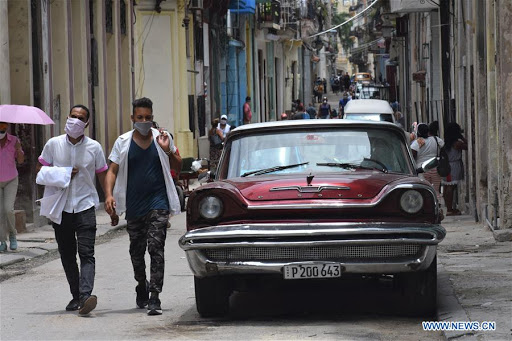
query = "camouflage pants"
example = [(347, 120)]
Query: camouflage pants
[(149, 230)]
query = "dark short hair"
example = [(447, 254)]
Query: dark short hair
[(248, 98), (143, 102), (433, 128), (423, 130), (81, 106)]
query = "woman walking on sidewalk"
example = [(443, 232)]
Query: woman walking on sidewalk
[(10, 153)]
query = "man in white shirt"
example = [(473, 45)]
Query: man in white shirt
[(224, 126), (139, 183), (77, 228)]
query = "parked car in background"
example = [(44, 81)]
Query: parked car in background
[(313, 199), (362, 77), (369, 109)]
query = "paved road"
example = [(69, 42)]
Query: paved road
[(32, 307)]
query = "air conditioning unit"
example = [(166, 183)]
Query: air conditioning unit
[(196, 4)]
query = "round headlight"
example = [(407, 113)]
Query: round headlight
[(411, 201), (210, 207)]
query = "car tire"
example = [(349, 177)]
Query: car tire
[(181, 197), (420, 291), (212, 296)]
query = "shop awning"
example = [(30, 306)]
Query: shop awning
[(242, 6)]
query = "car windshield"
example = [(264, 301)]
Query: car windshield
[(316, 151)]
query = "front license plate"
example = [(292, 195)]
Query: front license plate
[(304, 271)]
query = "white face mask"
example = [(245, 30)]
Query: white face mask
[(223, 121), (2, 134), (74, 127), (143, 127)]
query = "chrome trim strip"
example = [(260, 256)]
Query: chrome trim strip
[(217, 236), (340, 204), (309, 189)]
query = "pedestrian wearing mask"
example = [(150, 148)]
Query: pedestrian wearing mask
[(10, 153), (324, 111), (224, 126), (139, 183), (75, 226)]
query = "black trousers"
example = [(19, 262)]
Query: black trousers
[(77, 232), (151, 231)]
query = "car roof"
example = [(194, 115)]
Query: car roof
[(320, 123), (366, 106)]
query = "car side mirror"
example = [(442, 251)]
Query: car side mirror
[(429, 164), (206, 177), (203, 177)]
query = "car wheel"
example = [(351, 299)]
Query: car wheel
[(420, 291), (181, 196), (212, 296)]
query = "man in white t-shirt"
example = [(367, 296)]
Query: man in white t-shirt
[(224, 126), (77, 229)]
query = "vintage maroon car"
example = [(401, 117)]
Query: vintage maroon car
[(312, 199)]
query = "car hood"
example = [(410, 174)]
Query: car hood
[(356, 185)]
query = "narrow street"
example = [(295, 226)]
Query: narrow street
[(32, 307)]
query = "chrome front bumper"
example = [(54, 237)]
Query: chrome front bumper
[(349, 236)]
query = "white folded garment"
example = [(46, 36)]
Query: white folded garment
[(54, 176), (56, 181)]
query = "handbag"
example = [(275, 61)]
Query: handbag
[(216, 141), (443, 168)]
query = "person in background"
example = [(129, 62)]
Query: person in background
[(455, 143), (311, 111), (215, 150), (10, 153), (247, 110), (343, 102), (300, 114), (423, 148), (346, 81), (139, 183), (324, 111), (223, 126), (284, 116), (76, 231), (433, 128), (334, 114)]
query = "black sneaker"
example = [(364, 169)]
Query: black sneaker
[(74, 304), (87, 304), (154, 307), (142, 295)]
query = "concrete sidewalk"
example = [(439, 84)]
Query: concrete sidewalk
[(474, 279), (38, 241)]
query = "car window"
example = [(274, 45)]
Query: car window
[(260, 151), (370, 117)]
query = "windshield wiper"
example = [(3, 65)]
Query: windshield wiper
[(272, 169), (349, 166)]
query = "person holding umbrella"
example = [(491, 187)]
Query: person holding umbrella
[(10, 153)]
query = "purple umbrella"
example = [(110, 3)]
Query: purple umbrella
[(23, 114)]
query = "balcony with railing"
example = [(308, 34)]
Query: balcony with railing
[(269, 14)]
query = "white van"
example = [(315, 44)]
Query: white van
[(369, 109)]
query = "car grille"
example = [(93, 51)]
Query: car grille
[(345, 252)]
